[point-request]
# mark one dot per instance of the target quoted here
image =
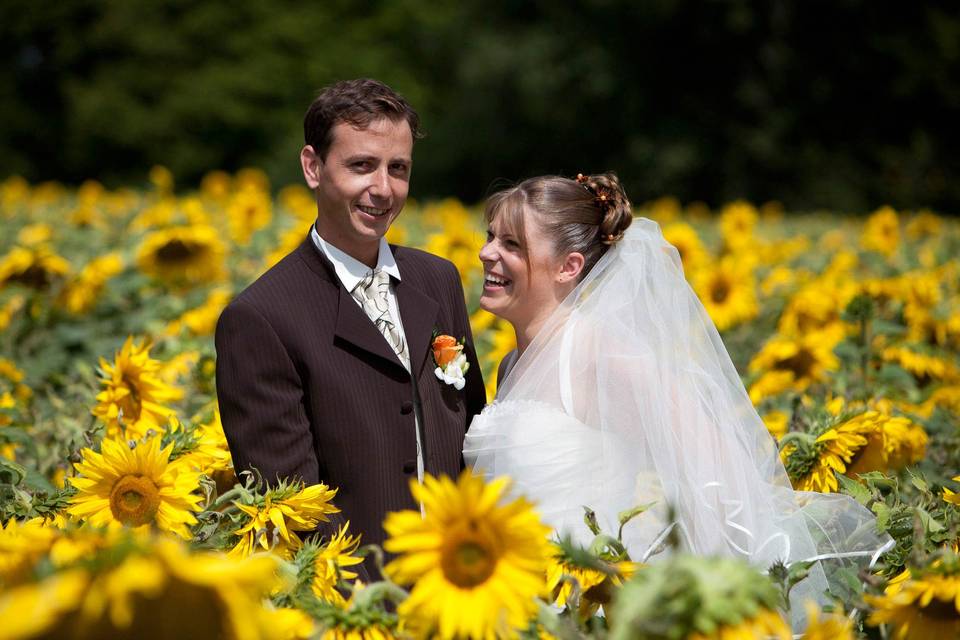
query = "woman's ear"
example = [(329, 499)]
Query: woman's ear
[(571, 267)]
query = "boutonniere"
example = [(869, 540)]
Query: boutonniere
[(450, 359)]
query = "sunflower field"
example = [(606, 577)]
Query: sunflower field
[(122, 516)]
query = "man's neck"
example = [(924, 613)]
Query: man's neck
[(368, 255)]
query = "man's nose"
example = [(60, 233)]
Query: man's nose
[(381, 184)]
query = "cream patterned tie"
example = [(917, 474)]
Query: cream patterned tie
[(371, 293)]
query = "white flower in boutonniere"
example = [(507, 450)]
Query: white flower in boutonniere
[(451, 362)]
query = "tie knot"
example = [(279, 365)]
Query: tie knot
[(375, 282)]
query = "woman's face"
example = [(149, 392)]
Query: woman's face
[(520, 288)]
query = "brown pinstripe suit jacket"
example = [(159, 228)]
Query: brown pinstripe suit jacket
[(309, 388)]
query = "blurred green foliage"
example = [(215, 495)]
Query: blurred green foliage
[(843, 104)]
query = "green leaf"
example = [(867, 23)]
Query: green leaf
[(883, 515), (11, 472), (930, 524), (854, 489)]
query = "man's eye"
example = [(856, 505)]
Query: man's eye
[(361, 164), (400, 169), (513, 244)]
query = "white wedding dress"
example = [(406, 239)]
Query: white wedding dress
[(627, 397)]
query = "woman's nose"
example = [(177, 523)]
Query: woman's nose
[(486, 252)]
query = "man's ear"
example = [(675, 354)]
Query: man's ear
[(571, 267), (312, 166)]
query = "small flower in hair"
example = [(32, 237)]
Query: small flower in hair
[(582, 179)]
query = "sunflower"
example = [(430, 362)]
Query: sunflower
[(184, 255), (35, 234), (215, 185), (795, 362), (950, 496), (833, 626), (134, 393), (36, 267), (21, 545), (927, 605), (881, 233), (777, 423), (503, 340), (459, 242), (288, 241), (817, 306), (300, 201), (596, 587), (134, 486), (728, 292), (765, 624), (812, 466), (81, 293), (906, 442), (284, 509), (684, 238), (330, 564), (248, 211), (476, 560), (202, 320), (923, 366), (32, 609), (664, 210), (211, 453), (737, 221), (142, 587)]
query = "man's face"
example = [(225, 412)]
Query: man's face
[(362, 184)]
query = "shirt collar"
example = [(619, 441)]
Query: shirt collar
[(350, 270)]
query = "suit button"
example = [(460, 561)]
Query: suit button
[(409, 466), (406, 407)]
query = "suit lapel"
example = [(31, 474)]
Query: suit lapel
[(418, 312)]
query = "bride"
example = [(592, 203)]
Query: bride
[(620, 393)]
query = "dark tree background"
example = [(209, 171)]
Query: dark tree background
[(844, 104)]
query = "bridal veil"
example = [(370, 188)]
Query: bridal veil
[(627, 396)]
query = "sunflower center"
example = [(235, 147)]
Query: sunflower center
[(469, 559), (134, 500), (34, 276), (940, 610), (175, 251), (801, 364), (720, 290), (131, 404)]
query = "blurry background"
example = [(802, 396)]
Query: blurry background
[(846, 104)]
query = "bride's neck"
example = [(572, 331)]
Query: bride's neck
[(526, 332)]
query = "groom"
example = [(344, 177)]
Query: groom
[(325, 371)]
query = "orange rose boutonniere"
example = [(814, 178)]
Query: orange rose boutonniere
[(451, 362)]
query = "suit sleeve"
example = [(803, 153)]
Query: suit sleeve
[(261, 399), (476, 394)]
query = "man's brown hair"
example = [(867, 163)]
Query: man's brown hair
[(358, 103)]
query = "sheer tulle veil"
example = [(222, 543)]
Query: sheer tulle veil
[(627, 396)]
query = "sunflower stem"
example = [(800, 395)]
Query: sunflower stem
[(237, 492), (377, 592)]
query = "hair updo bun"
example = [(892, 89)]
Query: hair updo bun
[(585, 215), (613, 204)]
